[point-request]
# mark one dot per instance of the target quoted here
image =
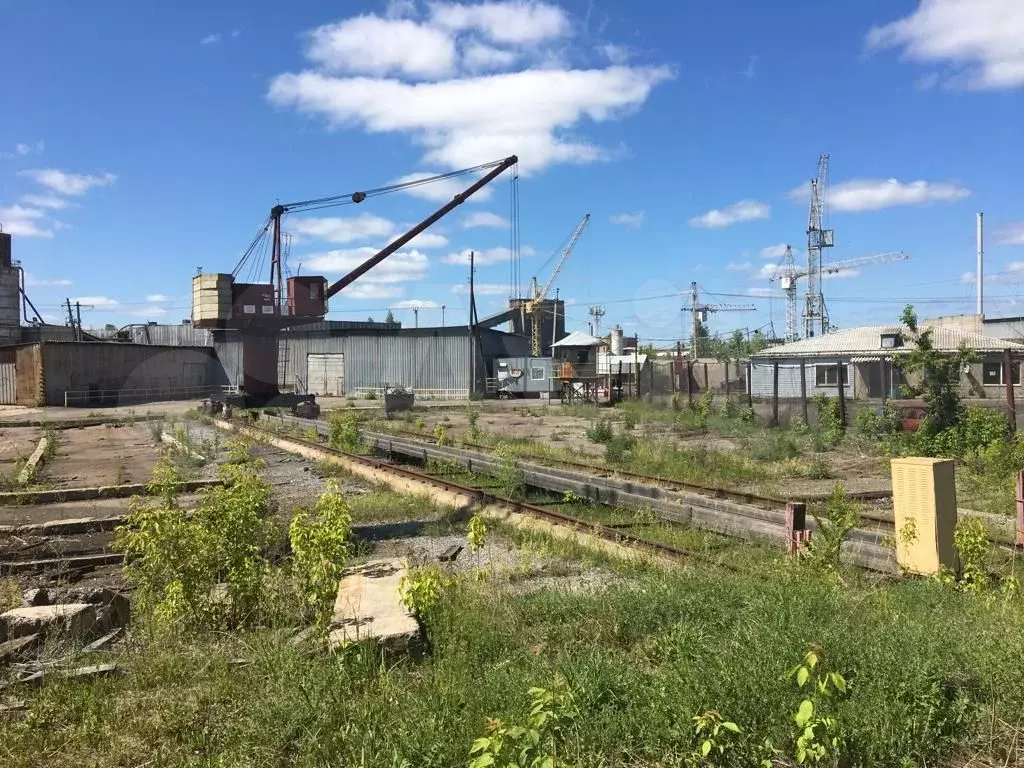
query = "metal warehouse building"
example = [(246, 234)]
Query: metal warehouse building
[(339, 359)]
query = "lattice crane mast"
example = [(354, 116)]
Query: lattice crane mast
[(818, 238), (699, 312), (788, 274), (537, 295)]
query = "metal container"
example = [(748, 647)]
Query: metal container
[(616, 340), (518, 376)]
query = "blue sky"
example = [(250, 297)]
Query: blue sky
[(140, 142)]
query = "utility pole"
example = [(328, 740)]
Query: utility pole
[(78, 314), (416, 316), (442, 315), (597, 312), (472, 326), (554, 321), (71, 319)]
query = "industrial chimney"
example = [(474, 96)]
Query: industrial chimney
[(981, 266)]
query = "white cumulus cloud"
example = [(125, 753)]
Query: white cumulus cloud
[(99, 302), (744, 210), (482, 289), (361, 290), (68, 183), (858, 195), (426, 79), (24, 222), (45, 201), (484, 219), (513, 22), (1010, 234), (742, 266), (399, 267), (980, 39), (416, 304), (335, 229), (372, 45), (157, 298), (485, 256), (634, 219), (31, 281), (776, 251), (210, 39)]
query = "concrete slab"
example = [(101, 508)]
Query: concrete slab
[(369, 606), (75, 619)]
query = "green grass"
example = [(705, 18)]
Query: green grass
[(935, 679), (388, 506)]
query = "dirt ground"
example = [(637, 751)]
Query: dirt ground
[(111, 454)]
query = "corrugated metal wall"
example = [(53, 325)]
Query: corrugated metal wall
[(789, 378), (8, 384), (171, 335), (87, 369), (428, 359)]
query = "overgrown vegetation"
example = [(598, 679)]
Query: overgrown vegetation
[(218, 565), (344, 434), (647, 671)]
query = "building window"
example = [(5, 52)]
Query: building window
[(828, 375), (891, 341), (992, 373), (537, 374)]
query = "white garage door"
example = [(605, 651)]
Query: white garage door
[(326, 373)]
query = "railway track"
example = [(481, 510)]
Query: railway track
[(865, 546), (614, 534), (875, 521)]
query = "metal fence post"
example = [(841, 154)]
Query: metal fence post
[(1020, 509)]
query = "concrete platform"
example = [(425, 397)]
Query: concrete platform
[(369, 606)]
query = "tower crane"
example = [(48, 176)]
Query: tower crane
[(818, 238), (787, 275), (537, 295), (699, 312), (260, 311)]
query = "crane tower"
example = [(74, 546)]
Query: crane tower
[(699, 312), (535, 304), (787, 276), (818, 238)]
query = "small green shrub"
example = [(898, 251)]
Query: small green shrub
[(372, 394), (774, 445), (320, 548), (476, 532), (509, 477), (441, 435), (344, 431), (600, 432), (971, 541), (830, 422), (841, 515), (421, 590), (537, 744), (617, 447)]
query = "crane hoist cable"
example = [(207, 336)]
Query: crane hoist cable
[(319, 203)]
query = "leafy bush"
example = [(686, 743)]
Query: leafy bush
[(320, 547), (616, 449), (178, 560), (774, 445), (976, 429), (830, 421), (441, 435), (535, 745), (344, 434), (879, 426), (600, 432), (841, 515), (372, 394), (509, 476)]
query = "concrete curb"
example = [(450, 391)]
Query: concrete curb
[(57, 495), (76, 423), (34, 462)]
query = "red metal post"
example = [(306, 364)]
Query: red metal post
[(797, 535)]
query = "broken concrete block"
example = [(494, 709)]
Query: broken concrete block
[(369, 606), (71, 619), (37, 596), (100, 643), (19, 648), (450, 554)]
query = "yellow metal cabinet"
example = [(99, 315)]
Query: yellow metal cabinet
[(924, 505)]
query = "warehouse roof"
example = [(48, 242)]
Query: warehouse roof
[(578, 339), (869, 340)]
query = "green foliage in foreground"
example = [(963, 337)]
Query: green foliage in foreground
[(923, 675)]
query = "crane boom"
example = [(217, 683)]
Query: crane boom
[(440, 213), (564, 257), (533, 306), (881, 258)]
